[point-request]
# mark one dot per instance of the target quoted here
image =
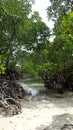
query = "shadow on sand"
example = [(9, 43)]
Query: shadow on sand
[(60, 122)]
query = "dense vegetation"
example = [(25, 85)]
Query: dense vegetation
[(25, 45)]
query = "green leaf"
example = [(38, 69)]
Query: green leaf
[(71, 14)]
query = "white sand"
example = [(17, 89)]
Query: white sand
[(31, 119)]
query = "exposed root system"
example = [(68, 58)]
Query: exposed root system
[(10, 93)]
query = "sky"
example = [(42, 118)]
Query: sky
[(41, 6)]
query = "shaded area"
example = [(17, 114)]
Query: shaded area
[(60, 122)]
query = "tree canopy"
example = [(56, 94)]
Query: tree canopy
[(59, 8), (24, 38), (20, 32)]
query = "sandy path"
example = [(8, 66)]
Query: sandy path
[(37, 114)]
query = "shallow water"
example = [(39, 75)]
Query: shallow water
[(33, 89)]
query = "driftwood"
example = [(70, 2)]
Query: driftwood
[(10, 92)]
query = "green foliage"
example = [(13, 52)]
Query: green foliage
[(59, 8), (54, 58), (2, 67), (60, 52), (13, 21), (63, 43), (24, 38), (20, 32)]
